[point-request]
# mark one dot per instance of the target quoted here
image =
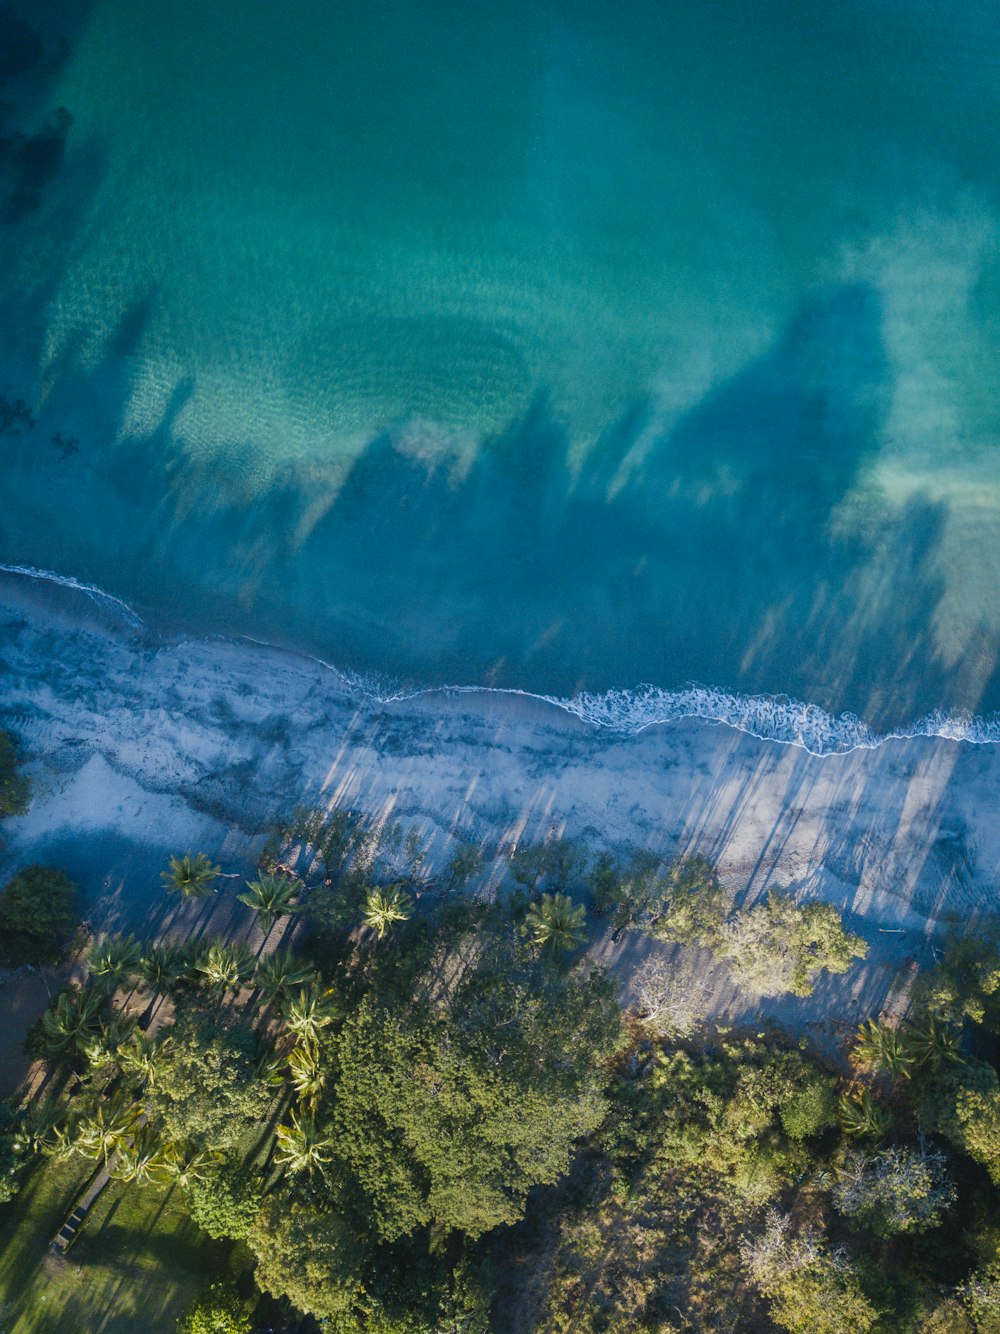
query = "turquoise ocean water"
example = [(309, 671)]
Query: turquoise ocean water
[(557, 346)]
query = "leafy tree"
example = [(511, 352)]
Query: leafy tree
[(896, 1190), (37, 916), (314, 1258), (271, 897), (384, 907), (451, 1117), (220, 1312), (207, 1090), (15, 790), (781, 945), (15, 1147), (191, 876), (224, 1200), (812, 1290), (555, 924), (697, 905)]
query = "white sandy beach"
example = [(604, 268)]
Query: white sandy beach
[(139, 745)]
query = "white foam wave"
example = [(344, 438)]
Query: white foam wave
[(777, 718), (98, 595)]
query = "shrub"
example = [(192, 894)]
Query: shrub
[(37, 915)]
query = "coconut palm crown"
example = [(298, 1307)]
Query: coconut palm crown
[(384, 907), (555, 924), (192, 876)]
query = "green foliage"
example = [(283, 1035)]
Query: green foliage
[(115, 960), (451, 1114), (966, 984), (220, 1312), (810, 1108), (225, 1199), (781, 945), (812, 1290), (384, 907), (271, 897), (191, 876), (896, 1190), (37, 916), (314, 1258), (697, 905), (861, 1116), (14, 1150), (15, 790), (882, 1049), (555, 925), (207, 1089)]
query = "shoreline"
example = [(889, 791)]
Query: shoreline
[(236, 733), (140, 745)]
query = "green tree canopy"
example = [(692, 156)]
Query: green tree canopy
[(38, 911), (15, 790), (207, 1089)]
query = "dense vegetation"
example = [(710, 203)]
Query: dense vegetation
[(432, 1115)]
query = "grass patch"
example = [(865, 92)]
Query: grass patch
[(136, 1267)]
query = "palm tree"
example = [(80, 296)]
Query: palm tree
[(861, 1116), (192, 876), (881, 1049), (301, 1147), (227, 967), (165, 965), (110, 1042), (70, 1022), (308, 1013), (186, 1164), (105, 1129), (140, 1158), (383, 907), (139, 1056), (271, 897), (40, 1132), (555, 924), (307, 1076), (115, 960), (932, 1043), (279, 973)]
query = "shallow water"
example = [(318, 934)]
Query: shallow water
[(552, 346)]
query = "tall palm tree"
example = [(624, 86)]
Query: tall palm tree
[(881, 1049), (115, 960), (554, 924), (862, 1117), (192, 876), (384, 907), (102, 1132), (40, 1132), (279, 973), (70, 1021), (308, 1013), (109, 1044), (301, 1147), (140, 1158), (140, 1056), (271, 896), (163, 966), (227, 967), (932, 1043), (307, 1075), (186, 1164)]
